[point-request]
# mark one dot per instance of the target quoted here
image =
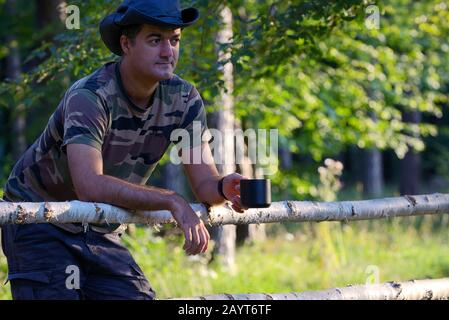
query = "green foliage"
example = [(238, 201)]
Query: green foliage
[(353, 88), (312, 66), (265, 34)]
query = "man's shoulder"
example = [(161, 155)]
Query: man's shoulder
[(101, 82)]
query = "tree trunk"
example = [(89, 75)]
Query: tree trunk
[(286, 164), (245, 168), (50, 11), (225, 237), (50, 16), (286, 158), (411, 164), (372, 173), (18, 145)]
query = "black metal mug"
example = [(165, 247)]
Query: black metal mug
[(255, 193)]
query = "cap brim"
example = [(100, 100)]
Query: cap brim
[(110, 34)]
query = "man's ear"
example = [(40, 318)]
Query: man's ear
[(124, 44)]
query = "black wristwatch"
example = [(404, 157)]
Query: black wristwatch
[(220, 188)]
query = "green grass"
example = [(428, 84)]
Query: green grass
[(297, 257), (309, 257), (4, 289)]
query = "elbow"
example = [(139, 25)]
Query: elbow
[(84, 198), (87, 191), (84, 195)]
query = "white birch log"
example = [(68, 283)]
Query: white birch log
[(84, 212), (436, 289), (298, 211)]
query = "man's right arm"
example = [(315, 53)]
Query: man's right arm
[(86, 169)]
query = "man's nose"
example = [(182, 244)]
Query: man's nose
[(166, 49)]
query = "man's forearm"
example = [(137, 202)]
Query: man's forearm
[(111, 190)]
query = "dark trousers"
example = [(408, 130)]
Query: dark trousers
[(46, 262)]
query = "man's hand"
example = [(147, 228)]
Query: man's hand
[(231, 189), (195, 232)]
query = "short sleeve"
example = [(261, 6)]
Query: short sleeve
[(194, 121), (85, 119)]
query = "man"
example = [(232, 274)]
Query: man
[(101, 145)]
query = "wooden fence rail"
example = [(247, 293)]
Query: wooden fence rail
[(298, 211), (435, 289)]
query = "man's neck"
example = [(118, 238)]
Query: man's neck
[(138, 89)]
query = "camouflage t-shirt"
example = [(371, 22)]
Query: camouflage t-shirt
[(96, 111)]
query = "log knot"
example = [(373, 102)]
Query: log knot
[(353, 213), (428, 295), (411, 199), (99, 211), (208, 213), (293, 210), (48, 213), (267, 296), (396, 286), (21, 215), (229, 296)]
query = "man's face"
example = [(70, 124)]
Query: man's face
[(155, 52)]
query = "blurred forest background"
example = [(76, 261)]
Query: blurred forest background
[(361, 112)]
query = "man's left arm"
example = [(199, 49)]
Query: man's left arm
[(204, 179)]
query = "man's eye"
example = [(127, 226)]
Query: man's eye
[(154, 41), (174, 42)]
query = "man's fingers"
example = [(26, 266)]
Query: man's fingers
[(190, 247), (232, 183), (204, 238), (204, 235), (196, 241), (237, 203), (188, 241)]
